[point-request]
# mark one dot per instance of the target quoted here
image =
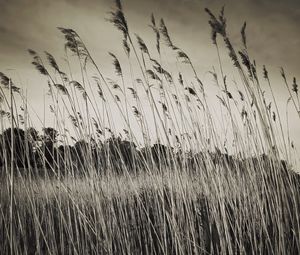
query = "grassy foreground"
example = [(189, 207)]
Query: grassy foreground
[(170, 213)]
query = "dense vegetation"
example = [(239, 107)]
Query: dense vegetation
[(178, 180)]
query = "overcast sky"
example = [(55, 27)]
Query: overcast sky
[(272, 31), (273, 27)]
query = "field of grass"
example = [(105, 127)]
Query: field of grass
[(147, 161)]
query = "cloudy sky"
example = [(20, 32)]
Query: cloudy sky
[(273, 28), (272, 31)]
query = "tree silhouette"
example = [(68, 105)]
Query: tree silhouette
[(23, 149), (159, 153), (120, 153), (65, 158), (49, 140), (80, 153)]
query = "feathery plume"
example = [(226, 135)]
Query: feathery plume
[(40, 68), (116, 86), (217, 26), (62, 89), (269, 106), (77, 85), (136, 112), (117, 98), (32, 52), (100, 92), (4, 80), (187, 98), (73, 120), (244, 113), (52, 61), (152, 75), (117, 18), (274, 116), (295, 86), (133, 92), (116, 64), (37, 62), (184, 56), (222, 101), (243, 33), (191, 91), (246, 62), (142, 44), (164, 107), (253, 70), (156, 31), (165, 33), (4, 113), (265, 72), (180, 79), (160, 70), (241, 95), (232, 54), (215, 76), (282, 73), (228, 94), (126, 47), (72, 42)]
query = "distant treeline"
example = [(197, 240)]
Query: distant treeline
[(40, 152), (32, 150)]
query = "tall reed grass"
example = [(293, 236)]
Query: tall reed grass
[(143, 162)]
